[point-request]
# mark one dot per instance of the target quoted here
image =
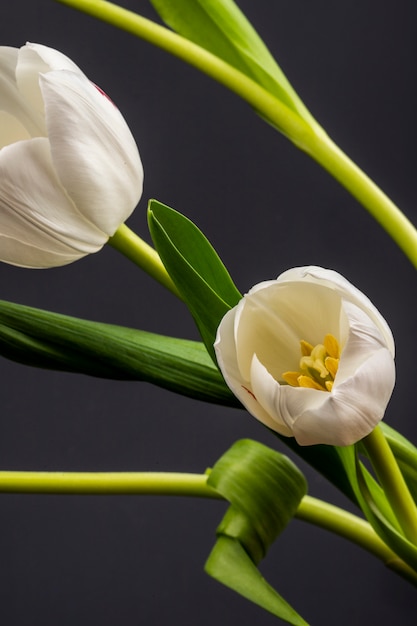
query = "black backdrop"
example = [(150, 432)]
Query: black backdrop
[(266, 207)]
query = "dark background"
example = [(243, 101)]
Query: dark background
[(265, 207)]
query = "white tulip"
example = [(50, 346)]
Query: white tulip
[(70, 171), (310, 356)]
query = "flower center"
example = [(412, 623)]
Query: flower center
[(318, 365)]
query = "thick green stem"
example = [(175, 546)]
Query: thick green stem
[(107, 483), (355, 529), (393, 483), (304, 133), (143, 255), (338, 164), (310, 510)]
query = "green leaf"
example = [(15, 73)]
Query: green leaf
[(220, 27), (195, 268), (230, 565), (406, 455), (376, 507), (264, 489), (50, 340)]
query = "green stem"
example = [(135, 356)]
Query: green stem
[(392, 481), (143, 255), (107, 483), (341, 167), (310, 510), (305, 133), (354, 529)]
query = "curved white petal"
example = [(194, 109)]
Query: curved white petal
[(22, 254), (267, 392), (272, 320), (353, 408), (33, 60), (93, 151), (12, 101), (36, 211), (334, 280), (225, 349)]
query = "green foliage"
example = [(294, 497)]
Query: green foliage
[(50, 340), (375, 506), (195, 268), (221, 28), (264, 489), (406, 455)]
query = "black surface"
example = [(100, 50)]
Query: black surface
[(265, 207)]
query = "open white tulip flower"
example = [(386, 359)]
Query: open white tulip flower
[(70, 171), (310, 356)]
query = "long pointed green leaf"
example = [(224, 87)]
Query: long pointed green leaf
[(264, 489), (220, 27), (227, 559), (50, 340), (195, 267)]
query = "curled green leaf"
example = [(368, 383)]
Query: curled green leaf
[(264, 489)]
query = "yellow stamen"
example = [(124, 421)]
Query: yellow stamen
[(318, 365), (310, 383), (331, 365), (291, 378), (332, 346), (306, 348)]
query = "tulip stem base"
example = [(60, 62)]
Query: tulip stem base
[(142, 254), (311, 510), (392, 481)]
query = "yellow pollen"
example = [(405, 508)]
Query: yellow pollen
[(318, 365)]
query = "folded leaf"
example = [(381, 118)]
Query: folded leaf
[(230, 565), (264, 489)]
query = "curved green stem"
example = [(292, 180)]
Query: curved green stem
[(355, 529), (304, 133), (311, 510), (143, 255), (392, 481), (323, 150)]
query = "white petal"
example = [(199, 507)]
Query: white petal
[(11, 100), (11, 129), (267, 392), (226, 357), (22, 254), (334, 280), (271, 322), (362, 338), (35, 210), (33, 60), (93, 151), (353, 408)]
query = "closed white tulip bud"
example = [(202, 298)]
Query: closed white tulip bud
[(70, 171), (310, 356)]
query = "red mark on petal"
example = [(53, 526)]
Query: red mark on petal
[(249, 392), (103, 93)]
